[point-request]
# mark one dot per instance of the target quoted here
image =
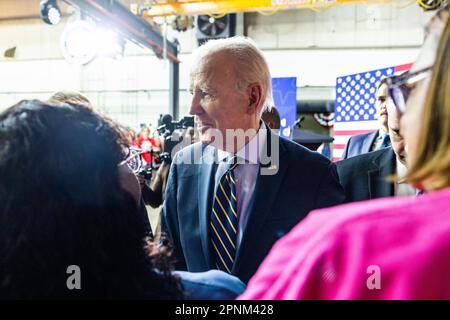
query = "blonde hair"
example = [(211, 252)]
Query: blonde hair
[(71, 97), (432, 162), (142, 131), (249, 64)]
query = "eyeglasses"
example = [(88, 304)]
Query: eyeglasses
[(400, 87), (132, 157)]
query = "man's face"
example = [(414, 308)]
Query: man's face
[(216, 102), (411, 123), (397, 141), (380, 105)]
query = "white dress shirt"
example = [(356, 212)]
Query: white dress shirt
[(245, 175), (378, 141)]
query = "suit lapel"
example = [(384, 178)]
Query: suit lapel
[(385, 166), (369, 141), (205, 190), (266, 190)]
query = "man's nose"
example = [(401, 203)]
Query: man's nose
[(402, 147), (195, 107)]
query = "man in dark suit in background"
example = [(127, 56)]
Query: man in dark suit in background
[(271, 118), (366, 176), (367, 142), (229, 199)]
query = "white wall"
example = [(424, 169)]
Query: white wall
[(314, 46), (132, 90), (317, 47), (345, 26)]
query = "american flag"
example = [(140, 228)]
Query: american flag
[(355, 105)]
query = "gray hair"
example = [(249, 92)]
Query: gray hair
[(250, 66)]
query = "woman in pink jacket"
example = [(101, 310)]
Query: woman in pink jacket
[(396, 248)]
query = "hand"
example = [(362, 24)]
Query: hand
[(141, 179)]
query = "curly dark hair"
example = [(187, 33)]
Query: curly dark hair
[(61, 204)]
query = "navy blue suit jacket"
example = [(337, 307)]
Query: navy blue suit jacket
[(366, 176), (305, 180), (359, 144)]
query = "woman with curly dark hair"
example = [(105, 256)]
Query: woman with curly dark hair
[(126, 175), (64, 211), (67, 207)]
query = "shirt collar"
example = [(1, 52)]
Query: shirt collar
[(381, 134), (251, 152)]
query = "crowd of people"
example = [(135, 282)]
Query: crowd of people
[(246, 213)]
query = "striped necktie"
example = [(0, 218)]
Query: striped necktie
[(224, 220)]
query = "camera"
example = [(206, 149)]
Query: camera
[(172, 133)]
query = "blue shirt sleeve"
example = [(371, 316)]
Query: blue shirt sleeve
[(210, 285)]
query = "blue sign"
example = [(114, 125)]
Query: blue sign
[(285, 99)]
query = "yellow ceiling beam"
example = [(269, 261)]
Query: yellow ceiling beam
[(195, 7)]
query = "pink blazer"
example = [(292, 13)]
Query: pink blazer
[(392, 248)]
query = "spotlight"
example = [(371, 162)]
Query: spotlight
[(79, 42), (82, 41), (50, 12), (109, 44)]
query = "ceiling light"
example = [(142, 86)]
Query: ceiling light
[(50, 12)]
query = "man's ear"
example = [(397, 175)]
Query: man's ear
[(254, 94)]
